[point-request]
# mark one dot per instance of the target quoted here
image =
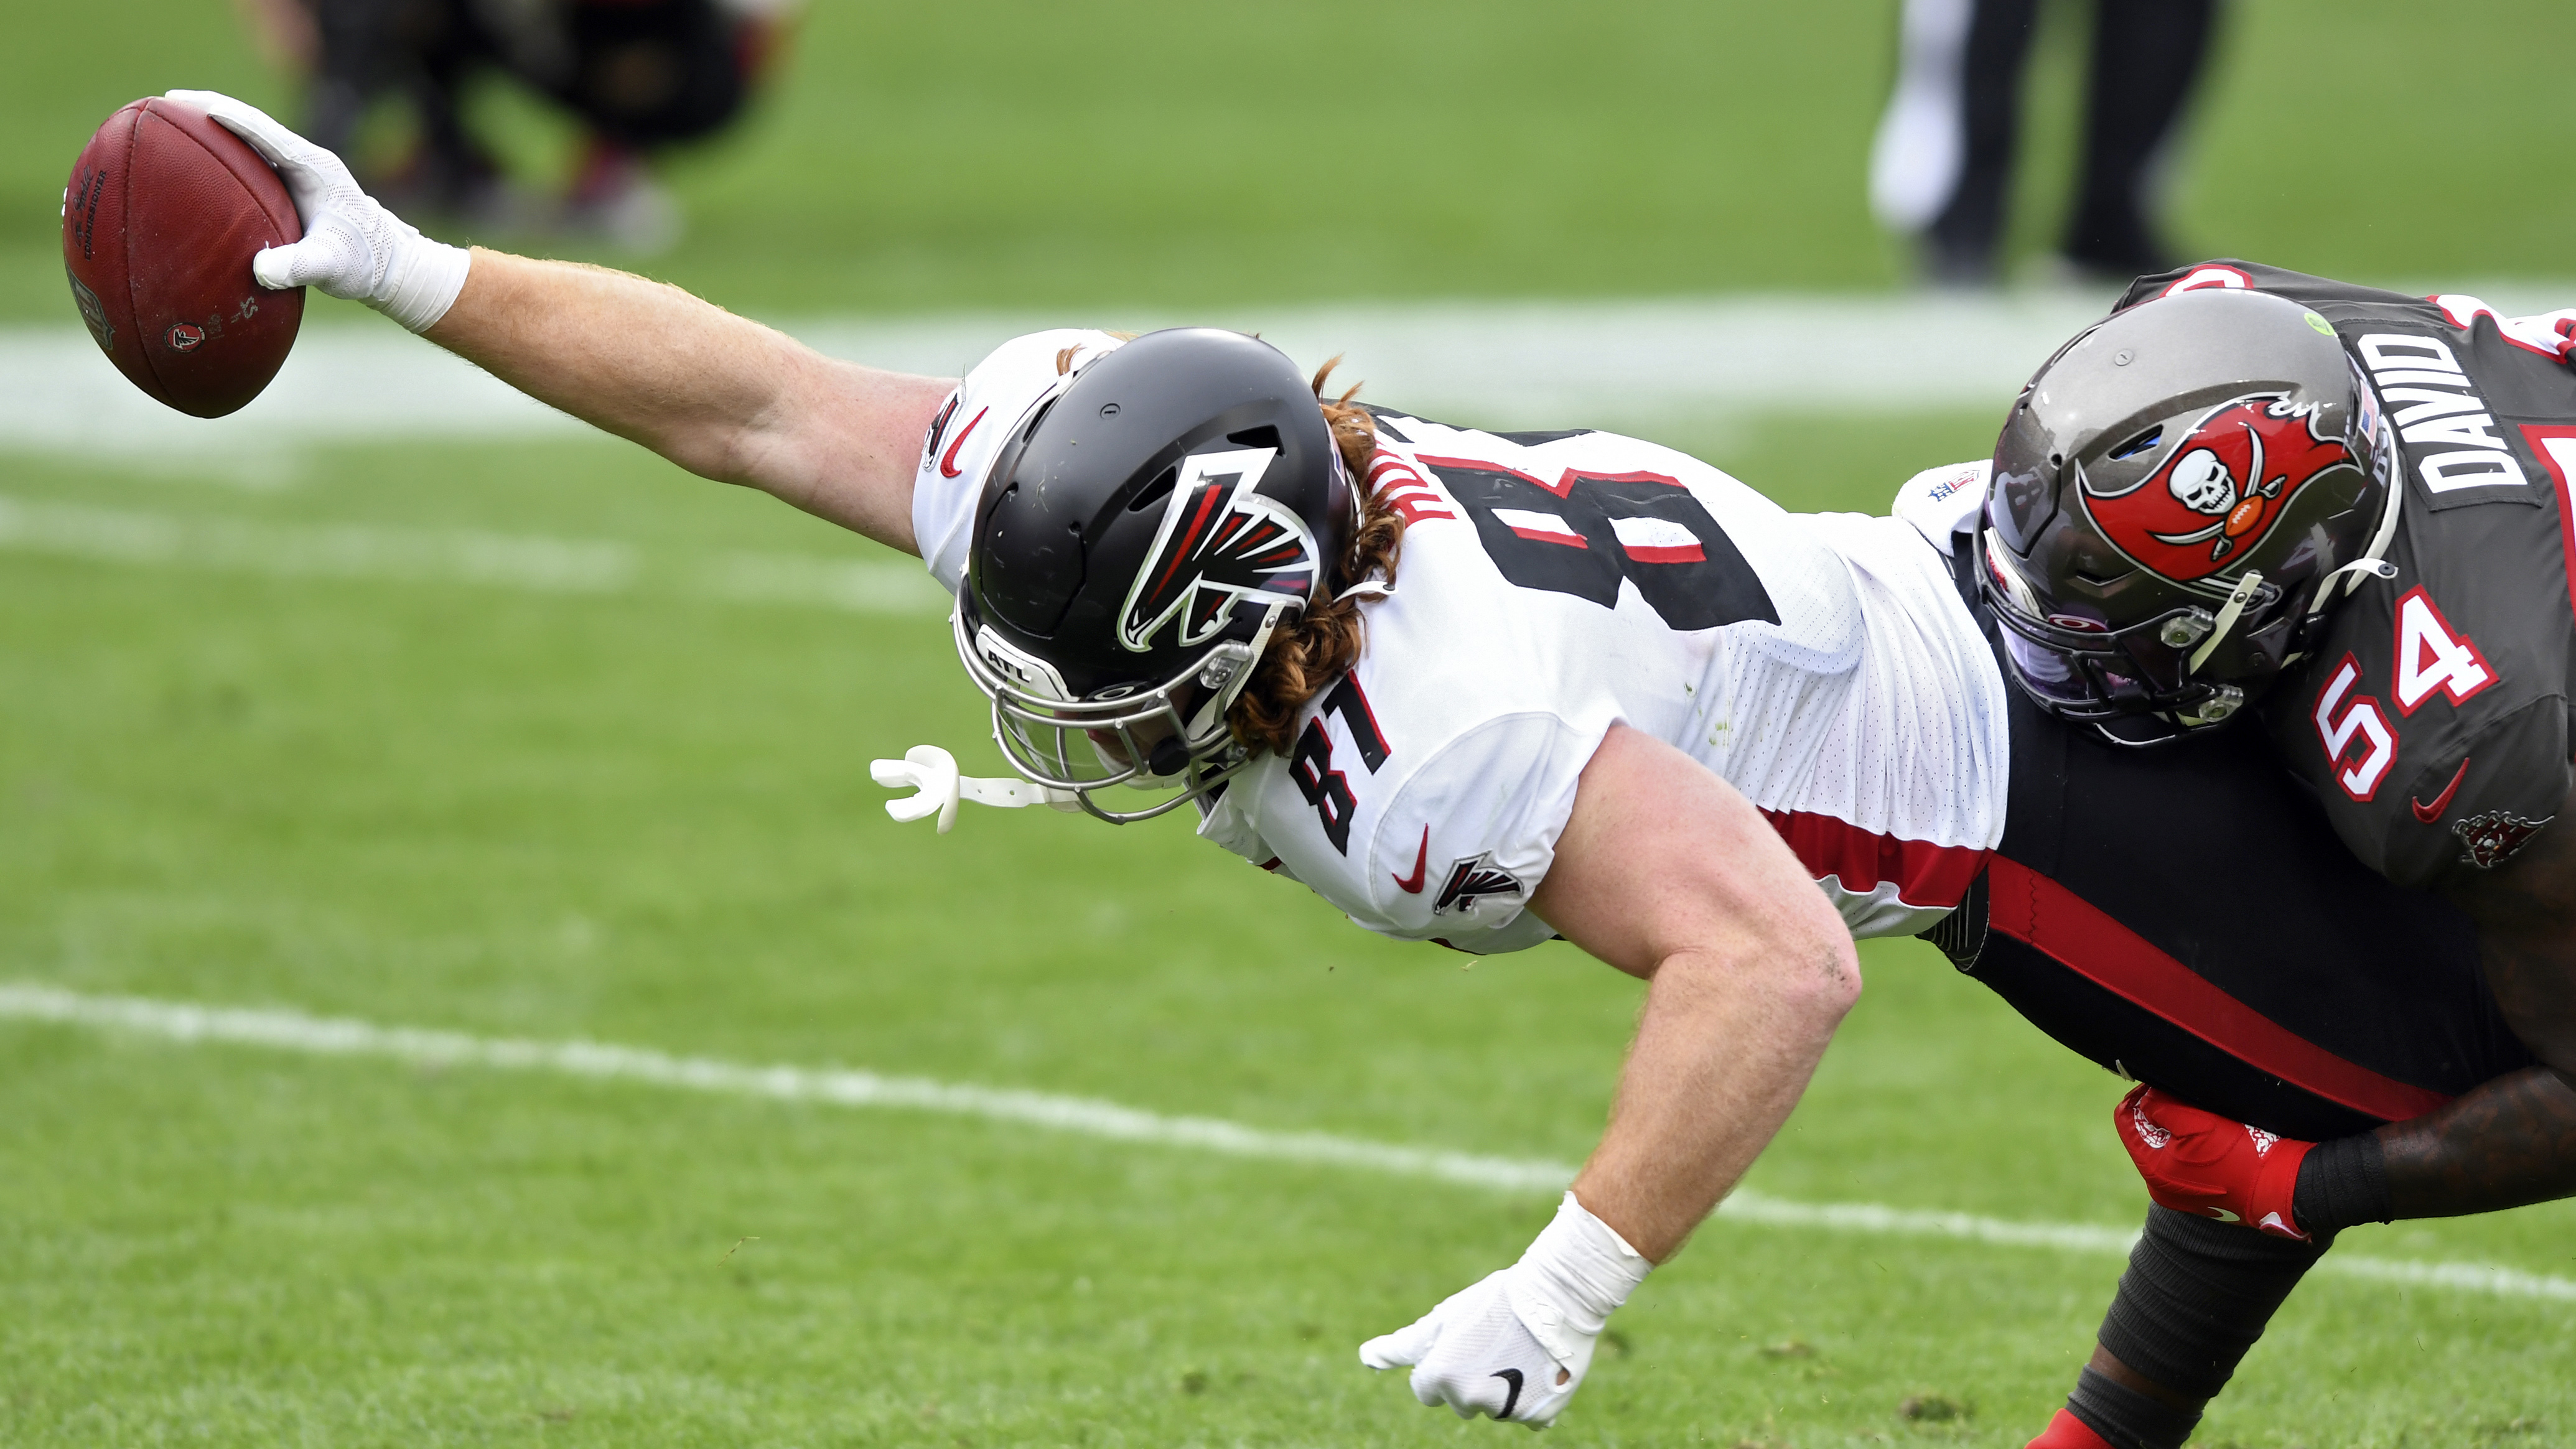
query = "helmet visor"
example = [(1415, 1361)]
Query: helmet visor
[(1169, 738), (2090, 683), (2081, 669)]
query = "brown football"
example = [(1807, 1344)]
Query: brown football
[(164, 212)]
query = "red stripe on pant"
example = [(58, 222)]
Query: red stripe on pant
[(2066, 928), (1925, 874)]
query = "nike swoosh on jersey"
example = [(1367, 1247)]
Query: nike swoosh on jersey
[(948, 461), (2430, 813), (1412, 885)]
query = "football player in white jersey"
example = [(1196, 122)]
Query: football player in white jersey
[(1603, 664), (1481, 689)]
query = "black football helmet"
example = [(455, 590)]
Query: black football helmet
[(1143, 532), (2174, 496)]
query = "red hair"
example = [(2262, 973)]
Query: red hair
[(1325, 641)]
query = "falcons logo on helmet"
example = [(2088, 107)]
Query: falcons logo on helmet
[(2221, 490), (1220, 544)]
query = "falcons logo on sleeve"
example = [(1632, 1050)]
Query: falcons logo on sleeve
[(1472, 880), (2223, 486), (1220, 544)]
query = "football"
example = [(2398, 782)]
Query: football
[(164, 211)]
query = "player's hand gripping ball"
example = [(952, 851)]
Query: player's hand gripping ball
[(2209, 1166), (163, 215), (353, 248)]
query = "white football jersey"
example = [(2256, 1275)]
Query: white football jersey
[(1552, 585)]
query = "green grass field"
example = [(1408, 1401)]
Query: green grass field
[(645, 818)]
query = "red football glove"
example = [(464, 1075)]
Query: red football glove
[(2067, 1432), (2201, 1163)]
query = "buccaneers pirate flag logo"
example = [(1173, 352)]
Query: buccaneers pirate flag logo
[(1220, 544), (2221, 489)]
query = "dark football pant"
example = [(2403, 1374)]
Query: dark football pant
[(1963, 69), (2185, 916)]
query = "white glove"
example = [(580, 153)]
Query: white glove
[(352, 248), (1517, 1345)]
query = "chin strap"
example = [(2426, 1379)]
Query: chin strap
[(2378, 568), (2373, 558), (931, 773), (2228, 614)]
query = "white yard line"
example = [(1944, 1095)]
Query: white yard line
[(1635, 363), (1518, 364), (455, 556), (294, 1031)]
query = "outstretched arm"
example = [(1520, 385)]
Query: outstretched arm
[(720, 395), (1665, 872)]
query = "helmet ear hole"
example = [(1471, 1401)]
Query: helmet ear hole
[(1156, 491)]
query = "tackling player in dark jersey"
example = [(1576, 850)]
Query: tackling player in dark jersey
[(2430, 716), (2363, 530)]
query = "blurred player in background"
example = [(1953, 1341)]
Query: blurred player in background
[(1941, 169), (639, 75)]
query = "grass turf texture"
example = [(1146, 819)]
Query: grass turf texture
[(1006, 153), (645, 819)]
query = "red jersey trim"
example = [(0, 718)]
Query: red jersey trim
[(2548, 443), (1936, 876), (2057, 923)]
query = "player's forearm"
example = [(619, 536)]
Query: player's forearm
[(1667, 872), (640, 359), (1722, 1053), (2509, 1142), (720, 395)]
